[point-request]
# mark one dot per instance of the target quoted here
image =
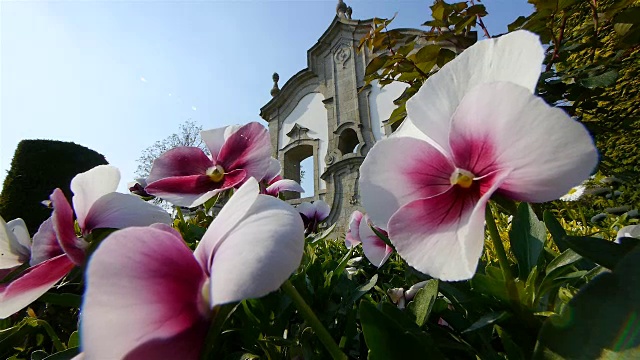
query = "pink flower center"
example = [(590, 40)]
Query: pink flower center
[(462, 177), (216, 173)]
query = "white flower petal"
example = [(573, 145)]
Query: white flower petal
[(259, 253), (546, 151), (632, 231), (516, 57), (214, 139), (89, 186), (231, 214), (12, 252), (118, 211)]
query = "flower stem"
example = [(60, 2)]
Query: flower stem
[(502, 255), (219, 317), (312, 320)]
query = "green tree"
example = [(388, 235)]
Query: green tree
[(38, 167)]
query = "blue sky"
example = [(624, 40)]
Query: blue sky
[(116, 76)]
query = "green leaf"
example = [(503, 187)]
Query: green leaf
[(622, 28), (211, 202), (423, 302), (388, 339), (530, 288), (382, 236), (600, 251), (406, 49), (477, 9), (604, 314), (14, 336), (603, 80), (376, 64), (514, 352), (39, 355), (437, 11), (398, 114), (555, 229), (464, 23), (527, 238), (568, 257), (64, 355), (74, 340), (444, 56), (630, 15), (563, 4), (427, 54), (517, 23), (487, 319), (363, 289), (323, 235), (52, 334), (487, 285), (631, 354)]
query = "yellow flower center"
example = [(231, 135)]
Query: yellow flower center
[(205, 291), (216, 173), (462, 178), (204, 302)]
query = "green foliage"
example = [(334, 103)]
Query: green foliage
[(37, 168), (389, 334), (527, 236), (588, 326), (401, 55), (592, 70)]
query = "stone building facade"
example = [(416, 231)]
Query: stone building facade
[(325, 112)]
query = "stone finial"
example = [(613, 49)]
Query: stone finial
[(275, 89), (348, 12), (341, 9)]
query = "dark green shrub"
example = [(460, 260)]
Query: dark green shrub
[(37, 168)]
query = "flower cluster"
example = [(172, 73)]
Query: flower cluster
[(474, 130), (168, 294), (56, 248)]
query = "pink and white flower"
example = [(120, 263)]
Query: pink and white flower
[(376, 250), (186, 176), (15, 244), (149, 297), (313, 213), (274, 183), (352, 238), (473, 129), (56, 249)]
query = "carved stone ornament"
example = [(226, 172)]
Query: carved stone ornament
[(332, 157), (342, 55), (298, 132)]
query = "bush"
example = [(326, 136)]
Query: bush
[(37, 168)]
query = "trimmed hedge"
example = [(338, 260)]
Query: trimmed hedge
[(37, 168)]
